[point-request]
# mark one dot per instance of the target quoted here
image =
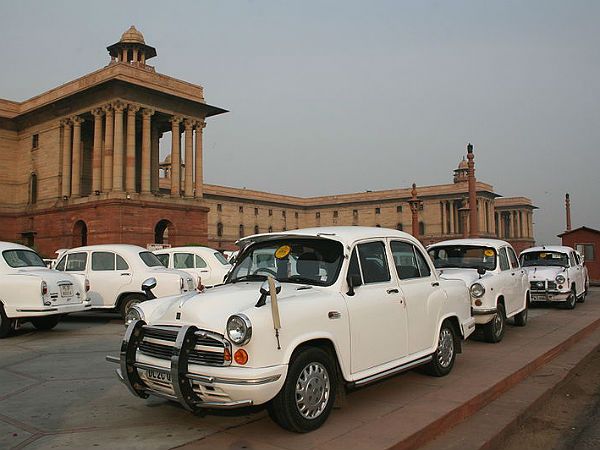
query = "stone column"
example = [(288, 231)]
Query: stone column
[(189, 159), (97, 151), (473, 218), (66, 163), (452, 230), (175, 157), (135, 55), (76, 157), (124, 57), (442, 210), (118, 148), (198, 174), (154, 157), (130, 155), (146, 144), (107, 170)]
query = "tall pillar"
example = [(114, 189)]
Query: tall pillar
[(415, 205), (107, 172), (154, 157), (175, 157), (97, 151), (568, 211), (118, 107), (66, 163), (130, 155), (452, 208), (146, 145), (189, 159), (473, 222), (76, 157), (442, 210), (198, 174)]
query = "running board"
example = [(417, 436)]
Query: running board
[(390, 372)]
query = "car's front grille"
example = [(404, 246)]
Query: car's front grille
[(538, 285), (551, 285), (209, 350)]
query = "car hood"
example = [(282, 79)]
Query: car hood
[(543, 272), (210, 309), (469, 276)]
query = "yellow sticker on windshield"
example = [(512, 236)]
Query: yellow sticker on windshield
[(543, 255), (283, 251), (488, 252)]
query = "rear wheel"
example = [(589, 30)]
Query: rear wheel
[(130, 301), (493, 331), (445, 354), (6, 324), (45, 323)]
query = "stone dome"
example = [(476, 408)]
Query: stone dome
[(132, 36), (463, 164)]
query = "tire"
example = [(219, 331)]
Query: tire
[(571, 301), (445, 354), (312, 372), (521, 318), (45, 323), (6, 324), (129, 301), (493, 331)]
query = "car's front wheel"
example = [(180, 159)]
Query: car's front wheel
[(129, 302), (308, 394), (45, 323), (6, 324), (493, 331), (571, 300), (445, 354)]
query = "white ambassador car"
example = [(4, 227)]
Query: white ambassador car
[(116, 273), (332, 308), (208, 266), (499, 287), (556, 274), (30, 292)]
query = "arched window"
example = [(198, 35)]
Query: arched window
[(33, 188), (219, 229), (256, 231), (241, 231), (421, 228), (162, 230), (80, 234)]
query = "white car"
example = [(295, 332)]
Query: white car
[(208, 266), (331, 308), (499, 287), (116, 273), (556, 274), (33, 293)]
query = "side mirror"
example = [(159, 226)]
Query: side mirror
[(481, 271), (353, 282), (147, 287), (264, 291)]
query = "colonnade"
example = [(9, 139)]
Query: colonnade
[(114, 162), (450, 216), (515, 224)]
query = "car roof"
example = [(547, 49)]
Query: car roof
[(187, 248), (549, 248), (12, 246), (473, 241), (109, 248)]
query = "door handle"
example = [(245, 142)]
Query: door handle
[(125, 274), (435, 283), (393, 291)]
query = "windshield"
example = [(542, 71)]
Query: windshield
[(463, 257), (150, 259), (544, 258), (295, 260), (22, 258)]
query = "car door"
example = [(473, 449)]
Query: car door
[(521, 280), (204, 271), (378, 332), (507, 281), (423, 296), (184, 261), (109, 276), (74, 263), (577, 273)]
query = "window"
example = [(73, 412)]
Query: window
[(103, 261), (146, 256), (33, 189), (399, 208), (409, 261), (270, 212), (317, 215), (355, 213), (270, 229), (183, 261), (76, 262), (164, 259), (241, 209), (61, 264), (399, 227), (353, 267), (296, 214), (35, 141), (335, 214), (283, 214), (256, 230), (373, 262), (587, 250), (503, 259), (22, 258), (200, 263), (220, 258), (241, 231), (377, 210), (421, 228), (463, 256), (572, 258), (256, 211), (219, 229), (219, 207)]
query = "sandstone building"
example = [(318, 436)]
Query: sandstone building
[(79, 164)]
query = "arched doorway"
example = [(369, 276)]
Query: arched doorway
[(162, 230), (80, 232)]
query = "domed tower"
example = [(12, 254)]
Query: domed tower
[(461, 173), (131, 49)]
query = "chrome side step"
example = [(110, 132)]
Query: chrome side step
[(392, 371)]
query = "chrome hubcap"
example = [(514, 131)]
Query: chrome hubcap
[(312, 390), (445, 348), (499, 323)]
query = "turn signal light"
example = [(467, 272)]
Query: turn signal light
[(227, 355), (241, 356)]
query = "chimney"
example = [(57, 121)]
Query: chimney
[(568, 211), (473, 215)]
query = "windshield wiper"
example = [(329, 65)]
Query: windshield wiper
[(251, 277), (299, 279)]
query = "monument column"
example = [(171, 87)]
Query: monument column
[(66, 163), (442, 210), (175, 157), (130, 156), (76, 157), (97, 151), (118, 147), (107, 169), (189, 159), (146, 144), (452, 230), (473, 217), (198, 174), (154, 157)]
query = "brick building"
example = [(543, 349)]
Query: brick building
[(80, 164)]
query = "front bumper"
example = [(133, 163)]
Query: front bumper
[(51, 310), (549, 296), (193, 386), (483, 315)]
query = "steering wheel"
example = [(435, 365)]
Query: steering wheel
[(265, 269)]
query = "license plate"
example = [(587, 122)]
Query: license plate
[(66, 290), (157, 375), (538, 297)]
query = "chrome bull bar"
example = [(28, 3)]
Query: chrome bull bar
[(180, 378)]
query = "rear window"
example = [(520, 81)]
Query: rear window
[(164, 259), (221, 259), (150, 259), (22, 258)]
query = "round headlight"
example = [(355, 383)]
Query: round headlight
[(239, 329), (477, 290), (560, 279), (134, 313)]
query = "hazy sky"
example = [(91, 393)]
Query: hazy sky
[(343, 96)]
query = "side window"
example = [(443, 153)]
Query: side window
[(121, 263), (183, 261), (103, 261), (164, 259), (514, 262), (503, 259), (422, 263), (200, 263), (373, 262), (404, 260), (572, 258), (577, 260), (353, 267), (61, 264), (76, 262)]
